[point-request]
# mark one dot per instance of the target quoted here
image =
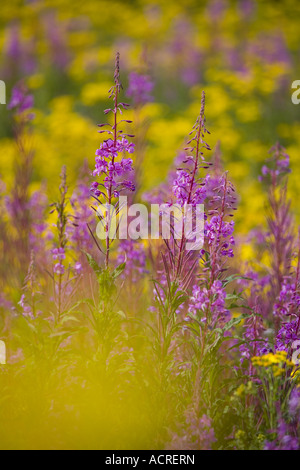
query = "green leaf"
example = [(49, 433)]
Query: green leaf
[(94, 265), (68, 318), (121, 313), (118, 271), (179, 300), (235, 321), (235, 277)]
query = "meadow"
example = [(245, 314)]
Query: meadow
[(139, 342)]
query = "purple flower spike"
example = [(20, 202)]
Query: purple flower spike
[(140, 88), (21, 101)]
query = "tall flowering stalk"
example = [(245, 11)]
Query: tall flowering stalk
[(272, 332), (287, 310), (19, 204), (31, 289), (83, 216), (112, 166), (179, 264), (208, 319), (109, 166), (139, 90), (58, 253), (218, 229), (20, 55), (271, 294), (65, 277), (5, 241), (56, 34), (189, 190), (280, 236), (185, 56)]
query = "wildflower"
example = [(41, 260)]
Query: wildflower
[(240, 434), (58, 42), (78, 268), (198, 433), (59, 269), (217, 229), (294, 403), (140, 88), (20, 55), (128, 185), (287, 334), (210, 302), (285, 439), (134, 254), (255, 344), (187, 188), (277, 361), (112, 163), (181, 190), (240, 391), (26, 309), (58, 254), (78, 231), (276, 166), (21, 101)]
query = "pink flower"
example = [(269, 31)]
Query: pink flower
[(59, 269)]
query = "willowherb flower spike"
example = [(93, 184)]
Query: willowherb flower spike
[(117, 72), (140, 88), (179, 264), (187, 187), (21, 102), (287, 310), (280, 237), (277, 166), (112, 163)]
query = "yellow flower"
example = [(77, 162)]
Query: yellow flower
[(240, 391), (240, 435), (278, 371)]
